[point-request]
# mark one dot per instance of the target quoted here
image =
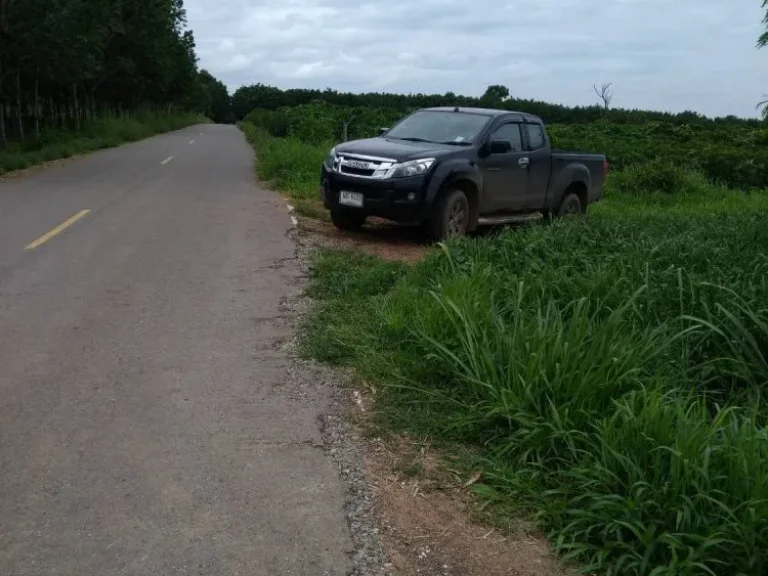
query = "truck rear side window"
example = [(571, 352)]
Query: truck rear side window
[(535, 136), (511, 133)]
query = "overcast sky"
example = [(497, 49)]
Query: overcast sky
[(660, 54)]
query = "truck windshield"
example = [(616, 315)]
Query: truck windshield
[(437, 126)]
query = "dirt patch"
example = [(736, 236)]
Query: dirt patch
[(426, 526), (378, 238)]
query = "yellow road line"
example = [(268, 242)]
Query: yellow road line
[(60, 228)]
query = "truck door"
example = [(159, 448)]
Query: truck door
[(505, 176), (539, 166)]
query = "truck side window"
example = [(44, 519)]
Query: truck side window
[(535, 136), (511, 133)]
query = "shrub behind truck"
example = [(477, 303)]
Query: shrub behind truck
[(454, 169)]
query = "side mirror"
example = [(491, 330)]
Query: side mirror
[(382, 131)]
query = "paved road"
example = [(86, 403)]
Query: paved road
[(148, 423)]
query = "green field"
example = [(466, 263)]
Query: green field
[(608, 374)]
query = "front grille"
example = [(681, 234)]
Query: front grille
[(363, 166), (356, 171)]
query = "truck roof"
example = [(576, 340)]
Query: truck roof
[(485, 112)]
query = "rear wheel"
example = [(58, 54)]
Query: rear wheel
[(570, 206), (450, 217), (344, 220)]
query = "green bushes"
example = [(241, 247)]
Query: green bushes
[(289, 164), (734, 155), (94, 135), (612, 371), (274, 122), (658, 177), (319, 122)]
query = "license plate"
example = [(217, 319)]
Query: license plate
[(351, 199)]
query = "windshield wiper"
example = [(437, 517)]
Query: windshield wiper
[(411, 139), (457, 143)]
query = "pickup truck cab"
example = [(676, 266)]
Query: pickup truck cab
[(453, 169)]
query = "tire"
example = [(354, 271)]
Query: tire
[(344, 220), (450, 217), (570, 206)]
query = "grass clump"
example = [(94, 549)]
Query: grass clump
[(611, 372), (94, 135)]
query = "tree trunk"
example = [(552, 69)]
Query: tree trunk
[(91, 96), (37, 105), (19, 119), (77, 107), (3, 137)]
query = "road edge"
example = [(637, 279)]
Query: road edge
[(341, 441)]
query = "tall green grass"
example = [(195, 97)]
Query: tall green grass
[(99, 133), (290, 165), (612, 372)]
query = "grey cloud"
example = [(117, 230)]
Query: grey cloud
[(661, 54)]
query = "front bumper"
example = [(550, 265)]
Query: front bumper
[(398, 199)]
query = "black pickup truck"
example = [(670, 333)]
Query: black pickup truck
[(453, 169)]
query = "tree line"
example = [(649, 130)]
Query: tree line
[(264, 97), (64, 62)]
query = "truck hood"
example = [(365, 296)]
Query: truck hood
[(398, 150)]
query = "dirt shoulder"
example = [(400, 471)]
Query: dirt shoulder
[(378, 238)]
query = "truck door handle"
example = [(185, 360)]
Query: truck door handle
[(524, 162)]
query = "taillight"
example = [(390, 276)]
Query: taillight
[(605, 170)]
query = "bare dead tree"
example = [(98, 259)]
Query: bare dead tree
[(763, 106), (605, 93)]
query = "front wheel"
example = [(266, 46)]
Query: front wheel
[(344, 220), (450, 218)]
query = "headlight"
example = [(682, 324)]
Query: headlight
[(413, 168), (330, 160)]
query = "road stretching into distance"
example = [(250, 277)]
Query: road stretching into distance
[(146, 424)]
